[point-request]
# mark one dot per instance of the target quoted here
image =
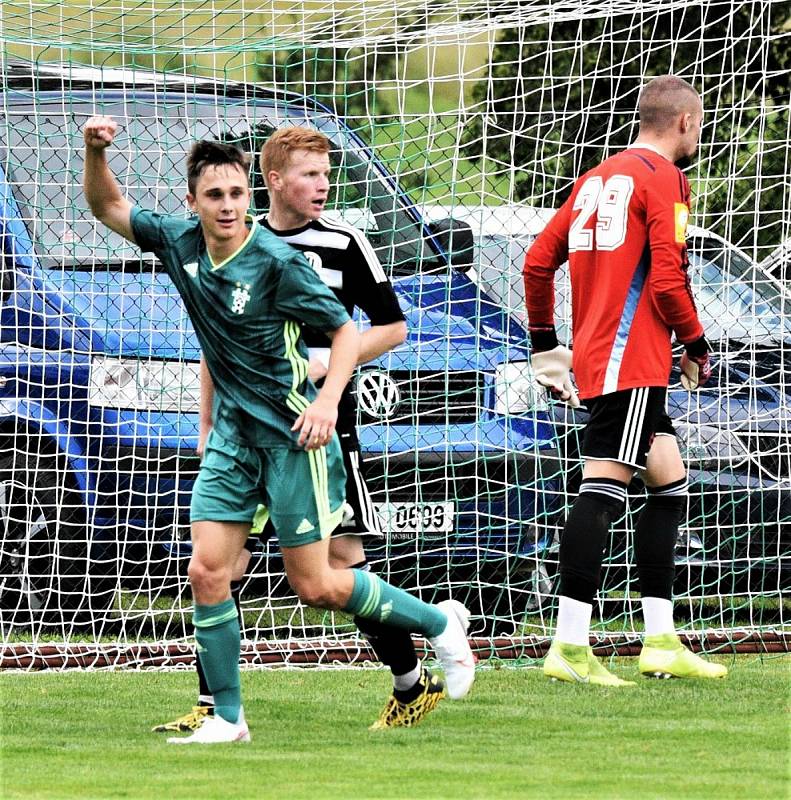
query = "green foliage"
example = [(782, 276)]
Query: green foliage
[(345, 79), (561, 97), (86, 735)]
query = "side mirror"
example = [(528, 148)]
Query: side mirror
[(458, 242)]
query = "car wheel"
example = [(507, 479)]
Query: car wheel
[(45, 555)]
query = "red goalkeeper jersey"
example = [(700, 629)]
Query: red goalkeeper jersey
[(623, 231)]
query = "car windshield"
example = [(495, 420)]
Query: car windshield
[(735, 299), (43, 161)]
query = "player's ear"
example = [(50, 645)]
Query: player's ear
[(191, 202), (273, 180)]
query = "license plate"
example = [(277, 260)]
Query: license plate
[(413, 518)]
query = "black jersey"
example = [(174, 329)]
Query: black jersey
[(344, 259)]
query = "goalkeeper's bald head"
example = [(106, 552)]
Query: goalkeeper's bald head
[(662, 100)]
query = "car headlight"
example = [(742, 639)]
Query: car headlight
[(151, 385), (709, 445), (516, 390)]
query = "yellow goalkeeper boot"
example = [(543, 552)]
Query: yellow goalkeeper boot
[(407, 714), (574, 663), (187, 723), (663, 656)]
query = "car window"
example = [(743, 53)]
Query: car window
[(43, 161), (735, 300)]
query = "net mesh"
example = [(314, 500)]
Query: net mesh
[(484, 112)]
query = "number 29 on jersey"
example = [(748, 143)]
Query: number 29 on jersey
[(610, 202)]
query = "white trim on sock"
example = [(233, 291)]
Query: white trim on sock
[(404, 683), (574, 622), (658, 616), (205, 699)]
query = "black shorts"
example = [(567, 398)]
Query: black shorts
[(623, 425), (360, 518)]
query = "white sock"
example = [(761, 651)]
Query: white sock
[(405, 682), (574, 621), (658, 616)]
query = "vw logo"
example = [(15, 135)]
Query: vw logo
[(378, 395)]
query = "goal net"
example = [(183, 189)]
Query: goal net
[(456, 127)]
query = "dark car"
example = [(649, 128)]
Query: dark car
[(735, 434)]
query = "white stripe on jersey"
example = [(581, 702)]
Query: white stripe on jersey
[(365, 247), (330, 277), (314, 238)]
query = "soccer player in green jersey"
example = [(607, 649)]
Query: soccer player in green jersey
[(295, 164), (273, 440)]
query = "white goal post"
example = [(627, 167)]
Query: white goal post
[(482, 112)]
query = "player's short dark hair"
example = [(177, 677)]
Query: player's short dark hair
[(207, 153), (662, 100)]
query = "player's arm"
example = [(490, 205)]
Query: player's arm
[(375, 295), (374, 341), (551, 362), (316, 424), (667, 213), (102, 191), (545, 255), (206, 404), (301, 295), (379, 339)]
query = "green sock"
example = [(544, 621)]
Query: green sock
[(373, 598), (219, 646)]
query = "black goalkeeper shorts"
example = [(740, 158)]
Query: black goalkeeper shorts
[(623, 425)]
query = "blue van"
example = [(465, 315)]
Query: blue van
[(99, 378)]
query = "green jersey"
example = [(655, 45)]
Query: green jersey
[(247, 313)]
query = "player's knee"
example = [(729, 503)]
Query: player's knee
[(316, 592), (206, 579)]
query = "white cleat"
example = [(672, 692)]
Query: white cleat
[(216, 730), (453, 650)]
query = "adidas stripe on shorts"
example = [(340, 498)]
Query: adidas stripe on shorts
[(623, 425), (301, 492)]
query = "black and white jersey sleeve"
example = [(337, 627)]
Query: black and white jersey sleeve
[(345, 260), (365, 284)]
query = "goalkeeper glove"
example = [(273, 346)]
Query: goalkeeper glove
[(695, 364), (552, 369)]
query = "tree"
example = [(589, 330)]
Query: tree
[(562, 96)]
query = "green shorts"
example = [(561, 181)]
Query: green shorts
[(302, 492)]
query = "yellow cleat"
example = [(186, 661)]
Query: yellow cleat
[(573, 663), (406, 715), (186, 724), (664, 656)]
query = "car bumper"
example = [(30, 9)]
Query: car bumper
[(494, 503)]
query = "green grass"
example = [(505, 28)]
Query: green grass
[(85, 735)]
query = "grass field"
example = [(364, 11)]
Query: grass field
[(86, 735)]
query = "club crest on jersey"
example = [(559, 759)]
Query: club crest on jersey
[(191, 269), (240, 297), (681, 213)]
